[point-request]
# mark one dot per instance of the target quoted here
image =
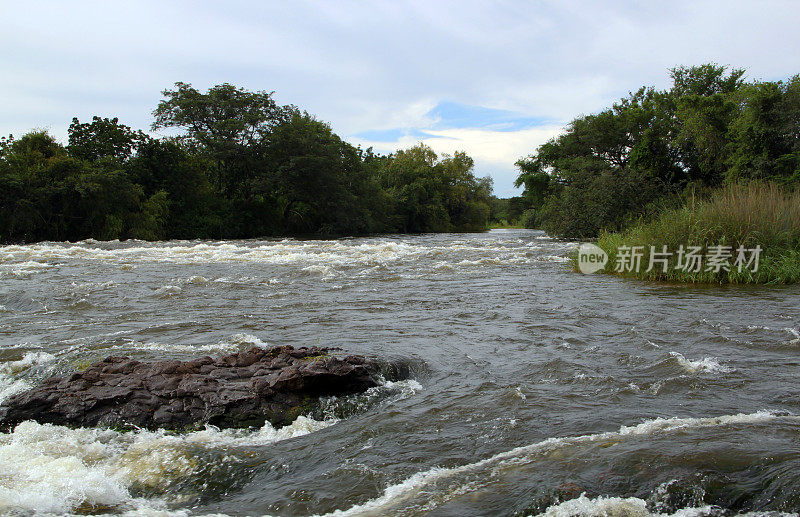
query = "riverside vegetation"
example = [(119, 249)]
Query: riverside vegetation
[(242, 166), (713, 160), (667, 163), (758, 214)]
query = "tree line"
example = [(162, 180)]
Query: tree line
[(660, 149), (240, 166)]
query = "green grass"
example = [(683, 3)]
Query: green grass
[(758, 214)]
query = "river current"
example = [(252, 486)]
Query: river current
[(533, 389)]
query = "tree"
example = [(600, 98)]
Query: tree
[(620, 164), (705, 80), (244, 167), (433, 195), (765, 137), (45, 194), (170, 166), (535, 180), (103, 138), (316, 181), (230, 124)]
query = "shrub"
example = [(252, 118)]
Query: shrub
[(757, 214)]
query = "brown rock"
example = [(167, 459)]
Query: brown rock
[(237, 390)]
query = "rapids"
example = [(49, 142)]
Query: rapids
[(533, 389)]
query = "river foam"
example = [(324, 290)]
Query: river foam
[(705, 365), (46, 468), (410, 487), (603, 506), (51, 469), (318, 258), (10, 383)]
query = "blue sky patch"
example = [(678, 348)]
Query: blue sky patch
[(394, 135), (454, 115)]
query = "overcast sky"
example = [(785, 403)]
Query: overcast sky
[(494, 79)]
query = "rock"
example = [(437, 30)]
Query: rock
[(238, 390)]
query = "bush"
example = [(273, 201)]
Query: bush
[(757, 214), (529, 219)]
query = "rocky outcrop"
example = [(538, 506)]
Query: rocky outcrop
[(237, 390)]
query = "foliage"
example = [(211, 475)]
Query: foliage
[(508, 212), (765, 137), (46, 194), (229, 124), (317, 181), (102, 138), (244, 167), (758, 214), (434, 195), (624, 164)]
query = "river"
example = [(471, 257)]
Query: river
[(533, 389)]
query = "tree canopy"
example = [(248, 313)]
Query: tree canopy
[(239, 166), (653, 148)]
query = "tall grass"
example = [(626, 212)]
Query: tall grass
[(757, 214)]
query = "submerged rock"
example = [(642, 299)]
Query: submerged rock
[(237, 390)]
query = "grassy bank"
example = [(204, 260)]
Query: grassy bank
[(758, 214)]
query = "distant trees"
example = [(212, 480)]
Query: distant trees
[(102, 138), (244, 166), (229, 124), (434, 195), (316, 181), (653, 147), (45, 194)]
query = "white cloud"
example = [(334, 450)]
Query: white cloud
[(494, 152), (374, 65)]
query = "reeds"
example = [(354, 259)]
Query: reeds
[(756, 214)]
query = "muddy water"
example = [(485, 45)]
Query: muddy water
[(534, 389)]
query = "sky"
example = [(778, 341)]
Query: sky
[(494, 79)]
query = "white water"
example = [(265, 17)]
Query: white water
[(509, 345), (9, 383), (54, 469), (412, 486), (46, 468), (705, 365), (601, 506), (321, 258)]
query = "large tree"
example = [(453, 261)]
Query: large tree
[(652, 146), (231, 124), (436, 195), (103, 138)]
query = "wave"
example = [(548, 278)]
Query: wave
[(705, 365), (48, 468), (609, 506), (235, 343), (601, 506), (322, 258), (53, 469), (10, 384), (22, 269), (412, 486)]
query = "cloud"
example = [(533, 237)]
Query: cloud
[(494, 138), (401, 71), (494, 152)]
